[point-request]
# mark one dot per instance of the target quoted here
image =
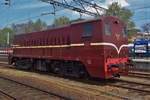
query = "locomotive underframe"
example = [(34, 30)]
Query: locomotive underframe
[(61, 67)]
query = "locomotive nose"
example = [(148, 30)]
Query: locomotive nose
[(117, 69), (113, 67)]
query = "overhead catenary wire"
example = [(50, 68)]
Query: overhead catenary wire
[(80, 8)]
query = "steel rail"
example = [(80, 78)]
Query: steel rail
[(35, 88), (138, 76), (126, 85), (146, 74), (9, 96)]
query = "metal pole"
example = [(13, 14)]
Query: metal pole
[(8, 34)]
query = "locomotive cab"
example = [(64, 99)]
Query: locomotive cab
[(116, 51)]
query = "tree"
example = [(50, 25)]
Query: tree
[(124, 14), (61, 21), (146, 27), (39, 25), (4, 36), (30, 26)]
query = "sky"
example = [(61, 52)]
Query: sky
[(24, 10)]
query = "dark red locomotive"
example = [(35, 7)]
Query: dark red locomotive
[(95, 48)]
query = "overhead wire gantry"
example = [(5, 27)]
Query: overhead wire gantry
[(88, 7)]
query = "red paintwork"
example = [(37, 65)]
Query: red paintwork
[(95, 58)]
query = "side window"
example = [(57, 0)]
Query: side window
[(68, 40), (43, 41), (124, 31), (37, 42), (40, 42), (50, 40), (59, 40), (47, 42), (34, 42), (87, 30), (55, 41), (63, 40), (107, 28), (27, 42)]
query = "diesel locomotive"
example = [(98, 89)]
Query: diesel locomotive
[(89, 48)]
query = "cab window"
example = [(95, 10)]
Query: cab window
[(87, 30), (107, 28)]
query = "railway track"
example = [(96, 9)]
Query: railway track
[(6, 96), (118, 83), (3, 57), (16, 90), (139, 75), (64, 98), (135, 86), (85, 88)]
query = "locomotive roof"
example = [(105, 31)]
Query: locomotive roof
[(85, 21), (73, 23)]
